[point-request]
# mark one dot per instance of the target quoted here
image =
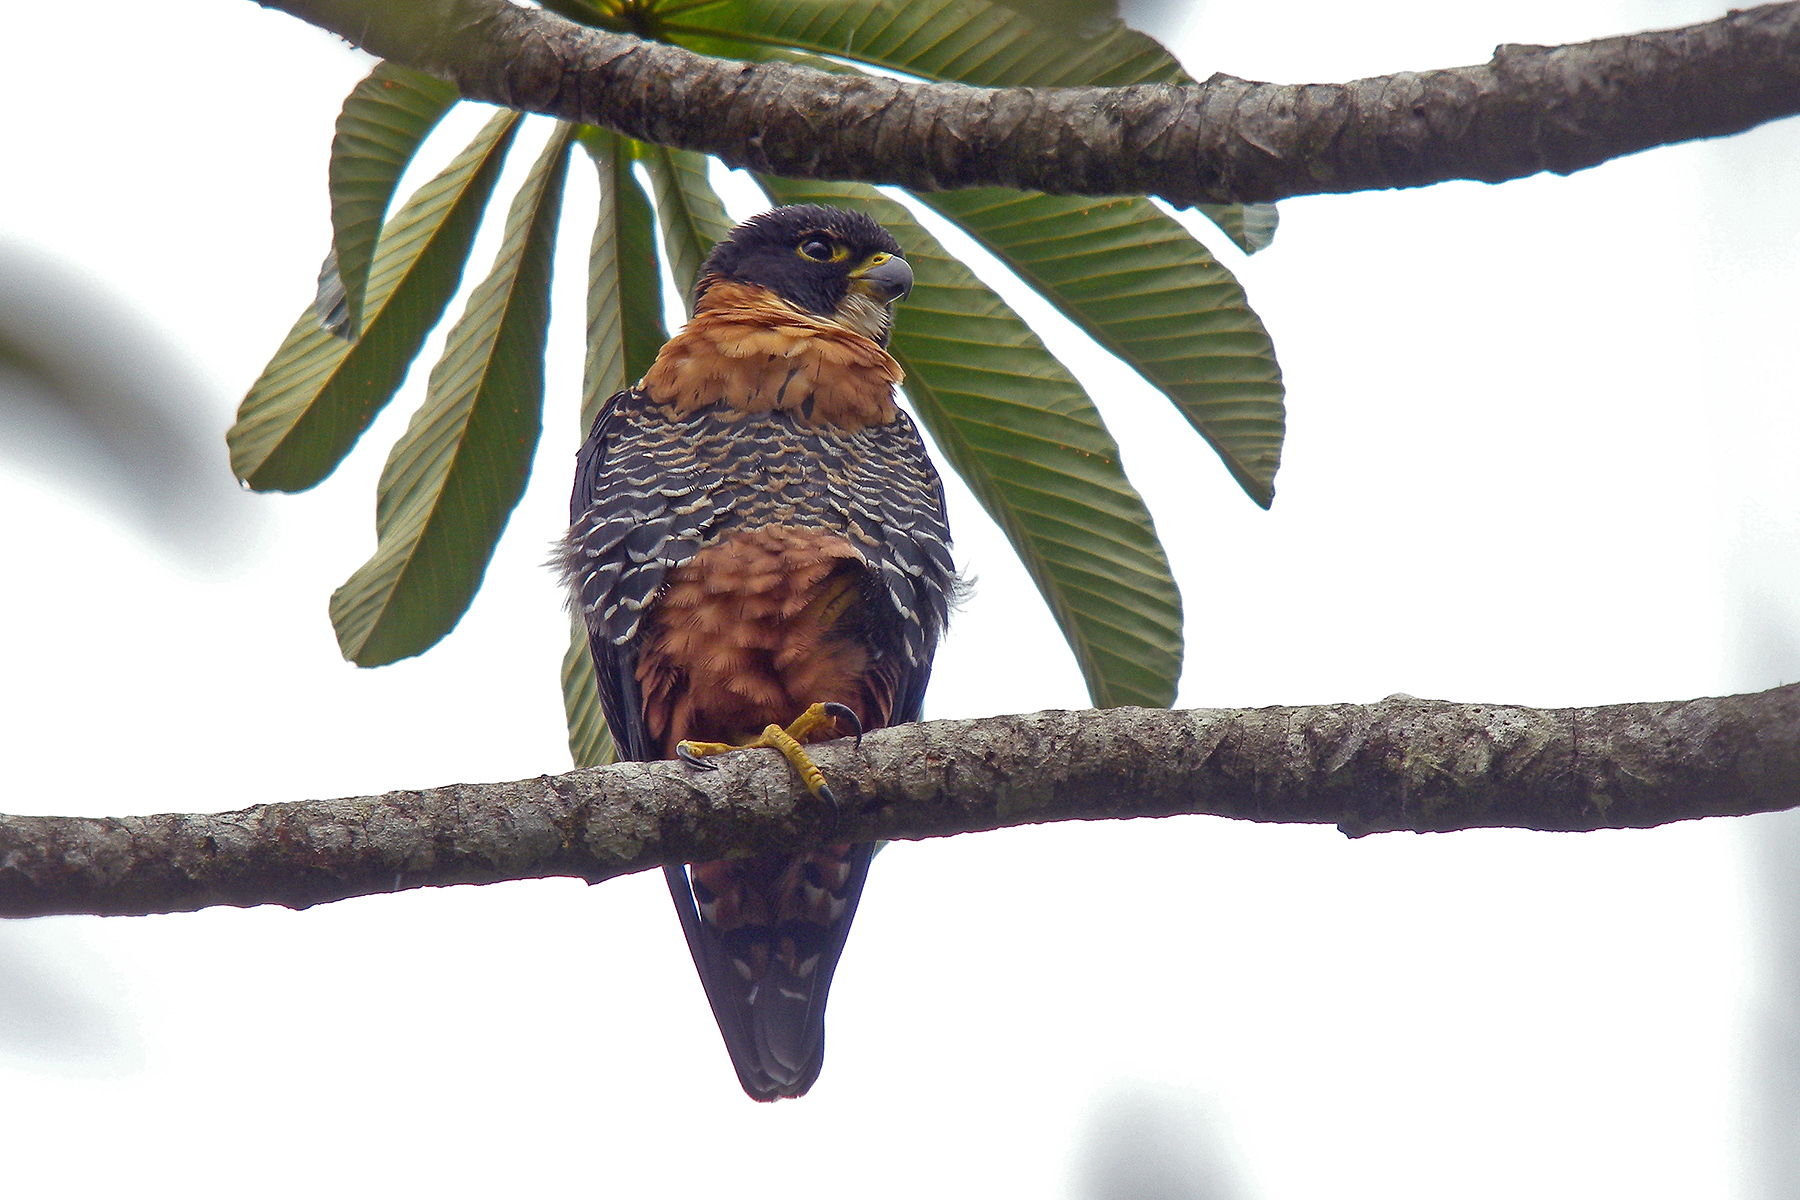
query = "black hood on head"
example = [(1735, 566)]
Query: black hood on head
[(770, 250)]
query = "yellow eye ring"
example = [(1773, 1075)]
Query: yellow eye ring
[(817, 249)]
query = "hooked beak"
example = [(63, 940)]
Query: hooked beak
[(886, 277)]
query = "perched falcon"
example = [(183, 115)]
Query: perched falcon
[(758, 541)]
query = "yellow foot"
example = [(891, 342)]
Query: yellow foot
[(774, 737)]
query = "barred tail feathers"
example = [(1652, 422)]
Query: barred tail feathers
[(766, 934)]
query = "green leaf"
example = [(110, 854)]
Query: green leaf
[(453, 478), (319, 393), (1251, 227), (384, 119), (1031, 446), (688, 210), (624, 332), (1083, 17), (1140, 285), (994, 44), (970, 41), (590, 742), (625, 323)]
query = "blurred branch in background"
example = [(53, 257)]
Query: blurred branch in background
[(92, 397), (1771, 650), (57, 1006), (1773, 1102), (1404, 763), (94, 401), (1145, 1143)]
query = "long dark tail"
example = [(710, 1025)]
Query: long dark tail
[(766, 934)]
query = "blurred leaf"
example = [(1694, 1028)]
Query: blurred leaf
[(453, 478), (92, 394), (19, 358), (625, 322), (1251, 227), (319, 393), (688, 210), (590, 742), (384, 119), (1031, 446), (1139, 284)]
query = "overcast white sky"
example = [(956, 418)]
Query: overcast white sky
[(1540, 450)]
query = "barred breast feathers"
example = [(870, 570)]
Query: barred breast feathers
[(658, 488), (757, 414), (752, 350)]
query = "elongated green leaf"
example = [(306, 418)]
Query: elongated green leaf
[(1141, 286), (384, 119), (453, 478), (624, 332), (1030, 445), (688, 210), (590, 742), (971, 41), (1082, 17), (625, 322), (319, 392)]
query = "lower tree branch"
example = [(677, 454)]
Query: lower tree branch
[(1531, 109), (1423, 765)]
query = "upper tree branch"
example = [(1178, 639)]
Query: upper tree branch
[(1531, 109), (1400, 764)]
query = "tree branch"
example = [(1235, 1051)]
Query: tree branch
[(1531, 109), (1424, 765)]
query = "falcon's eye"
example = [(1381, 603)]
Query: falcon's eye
[(817, 249)]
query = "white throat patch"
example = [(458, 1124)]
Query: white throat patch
[(865, 314)]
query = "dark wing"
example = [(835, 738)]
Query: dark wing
[(642, 504), (897, 520)]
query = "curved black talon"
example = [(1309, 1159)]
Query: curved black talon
[(844, 712), (837, 810), (694, 760)]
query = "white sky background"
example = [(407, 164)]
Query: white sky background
[(1540, 450)]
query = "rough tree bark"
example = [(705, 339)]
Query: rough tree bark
[(1402, 764), (1531, 109)]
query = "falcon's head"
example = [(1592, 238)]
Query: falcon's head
[(840, 265)]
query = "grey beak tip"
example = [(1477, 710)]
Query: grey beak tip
[(894, 277)]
